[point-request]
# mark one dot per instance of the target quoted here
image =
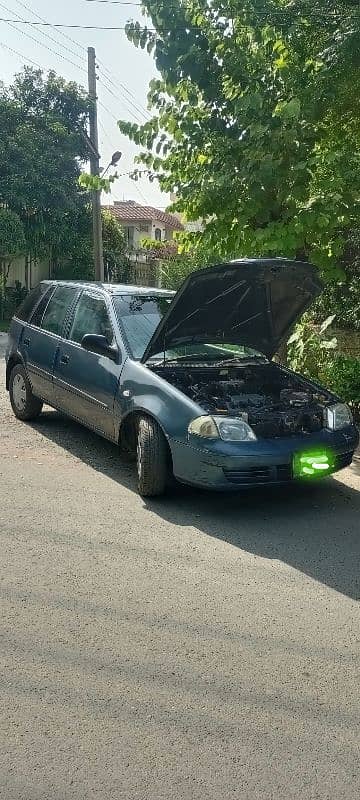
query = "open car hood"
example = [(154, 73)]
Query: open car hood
[(250, 302)]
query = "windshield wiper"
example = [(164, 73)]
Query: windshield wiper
[(192, 357), (212, 358), (244, 359)]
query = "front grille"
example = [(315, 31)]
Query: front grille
[(259, 474)]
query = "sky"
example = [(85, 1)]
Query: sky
[(124, 71)]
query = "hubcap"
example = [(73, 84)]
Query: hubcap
[(19, 392)]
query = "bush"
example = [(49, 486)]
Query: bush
[(313, 355), (309, 350), (14, 295), (342, 376)]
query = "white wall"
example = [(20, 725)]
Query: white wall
[(39, 272)]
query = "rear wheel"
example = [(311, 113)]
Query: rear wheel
[(152, 457), (24, 404)]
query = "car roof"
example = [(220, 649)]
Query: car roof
[(113, 288)]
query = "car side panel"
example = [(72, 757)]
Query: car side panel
[(85, 385), (38, 349)]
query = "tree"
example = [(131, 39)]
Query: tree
[(77, 260), (43, 123), (255, 126), (12, 245)]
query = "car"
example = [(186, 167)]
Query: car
[(184, 383)]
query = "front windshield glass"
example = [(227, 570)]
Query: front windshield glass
[(139, 316)]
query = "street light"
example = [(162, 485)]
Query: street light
[(114, 161)]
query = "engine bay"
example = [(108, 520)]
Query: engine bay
[(274, 402)]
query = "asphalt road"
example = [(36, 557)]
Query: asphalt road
[(202, 646)]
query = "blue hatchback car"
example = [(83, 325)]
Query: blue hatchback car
[(184, 383)]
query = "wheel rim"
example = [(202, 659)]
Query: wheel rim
[(19, 392)]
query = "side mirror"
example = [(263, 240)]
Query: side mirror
[(100, 345)]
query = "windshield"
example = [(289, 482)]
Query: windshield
[(139, 316)]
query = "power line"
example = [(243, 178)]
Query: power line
[(43, 33), (115, 83), (11, 50), (22, 21), (64, 35), (136, 116), (72, 52), (186, 26), (106, 135), (64, 25), (125, 101), (108, 111), (54, 52)]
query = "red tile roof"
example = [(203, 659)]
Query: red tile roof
[(133, 212)]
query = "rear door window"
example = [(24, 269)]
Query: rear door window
[(91, 316), (40, 308), (58, 308), (27, 306)]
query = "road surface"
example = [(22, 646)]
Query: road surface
[(200, 647)]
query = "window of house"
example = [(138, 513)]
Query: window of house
[(130, 235), (158, 234), (144, 228)]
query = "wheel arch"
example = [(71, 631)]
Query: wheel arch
[(128, 427), (13, 361)]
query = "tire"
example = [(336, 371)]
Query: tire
[(152, 458), (24, 404)]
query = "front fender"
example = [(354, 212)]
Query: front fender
[(142, 391)]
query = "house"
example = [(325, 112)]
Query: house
[(144, 222)]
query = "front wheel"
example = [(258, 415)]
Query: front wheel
[(152, 457), (24, 404)]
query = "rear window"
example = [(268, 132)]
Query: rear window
[(40, 308), (27, 307), (57, 309)]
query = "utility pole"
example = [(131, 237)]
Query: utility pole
[(95, 168)]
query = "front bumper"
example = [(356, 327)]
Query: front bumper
[(232, 465)]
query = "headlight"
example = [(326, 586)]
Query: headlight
[(205, 427), (338, 416), (229, 429)]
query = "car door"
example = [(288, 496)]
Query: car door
[(85, 383), (40, 338)]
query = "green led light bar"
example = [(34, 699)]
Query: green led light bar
[(311, 465)]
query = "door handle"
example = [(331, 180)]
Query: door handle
[(26, 341), (64, 359)]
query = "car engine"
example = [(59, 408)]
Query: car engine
[(273, 401)]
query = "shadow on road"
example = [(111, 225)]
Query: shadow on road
[(314, 527)]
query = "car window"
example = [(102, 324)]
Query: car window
[(38, 314), (53, 319), (139, 317), (27, 306), (91, 316)]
